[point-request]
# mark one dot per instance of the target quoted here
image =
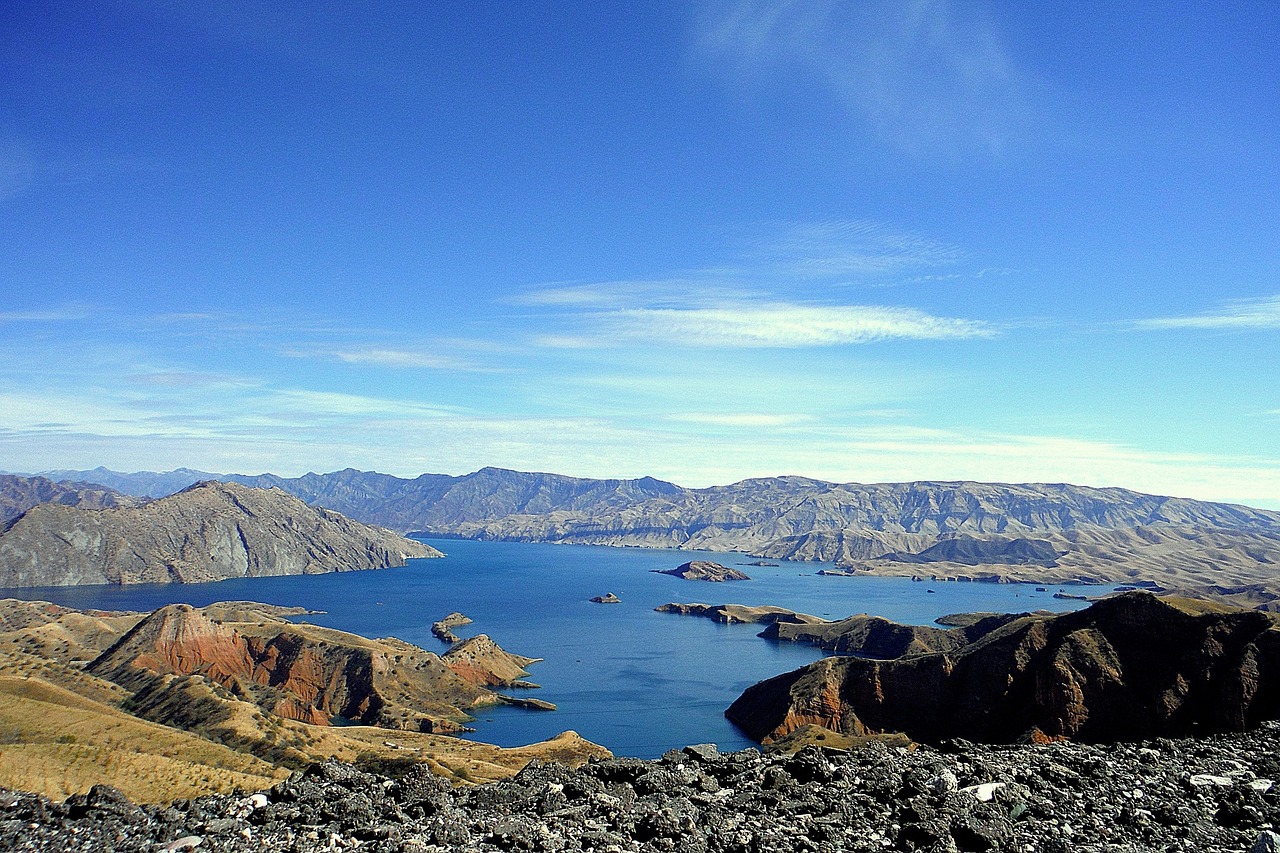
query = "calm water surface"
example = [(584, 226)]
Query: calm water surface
[(637, 681)]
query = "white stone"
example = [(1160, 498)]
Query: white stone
[(983, 792), (1208, 780)]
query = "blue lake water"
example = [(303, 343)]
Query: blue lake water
[(636, 681)]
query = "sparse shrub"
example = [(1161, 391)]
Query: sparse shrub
[(384, 765)]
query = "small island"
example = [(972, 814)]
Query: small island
[(607, 598), (704, 570), (443, 629)]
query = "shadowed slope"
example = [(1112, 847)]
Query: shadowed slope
[(1127, 668)]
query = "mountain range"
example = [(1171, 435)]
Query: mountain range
[(1041, 532)]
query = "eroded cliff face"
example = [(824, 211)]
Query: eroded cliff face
[(306, 673), (1127, 668), (211, 531)]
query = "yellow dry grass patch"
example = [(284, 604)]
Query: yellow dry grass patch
[(57, 743), (451, 757)]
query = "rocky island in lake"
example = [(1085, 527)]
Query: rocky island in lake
[(704, 570)]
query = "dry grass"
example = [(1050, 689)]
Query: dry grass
[(63, 729), (58, 743)]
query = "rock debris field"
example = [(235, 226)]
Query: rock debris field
[(1204, 795)]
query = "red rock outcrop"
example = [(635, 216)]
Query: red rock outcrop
[(481, 661), (301, 672)]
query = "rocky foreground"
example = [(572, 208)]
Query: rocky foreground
[(1213, 794)]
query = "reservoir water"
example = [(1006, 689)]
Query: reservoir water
[(636, 681)]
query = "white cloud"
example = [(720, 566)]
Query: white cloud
[(927, 75), (780, 324), (739, 419), (1260, 313), (386, 357), (704, 288), (322, 404), (851, 248), (58, 315)]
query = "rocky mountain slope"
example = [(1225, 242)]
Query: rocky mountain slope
[(187, 700), (311, 674), (19, 494), (1129, 667), (1208, 796), (1041, 532), (210, 531)]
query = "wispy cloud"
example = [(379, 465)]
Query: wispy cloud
[(1260, 313), (705, 288), (17, 168), (54, 315), (747, 420), (769, 296), (326, 403), (850, 248), (928, 75), (387, 357), (770, 324)]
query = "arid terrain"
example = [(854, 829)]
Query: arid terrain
[(233, 696)]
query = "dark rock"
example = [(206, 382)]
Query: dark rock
[(1129, 667), (1058, 797)]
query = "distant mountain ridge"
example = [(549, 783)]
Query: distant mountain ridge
[(19, 494), (142, 484), (1050, 532), (210, 531)]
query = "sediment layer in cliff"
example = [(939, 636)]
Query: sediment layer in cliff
[(311, 674)]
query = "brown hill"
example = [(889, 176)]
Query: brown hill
[(1127, 668), (877, 637), (209, 532), (166, 734), (308, 673), (481, 661)]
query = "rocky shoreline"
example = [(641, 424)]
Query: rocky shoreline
[(1204, 795)]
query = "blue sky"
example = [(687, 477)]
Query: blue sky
[(861, 241)]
